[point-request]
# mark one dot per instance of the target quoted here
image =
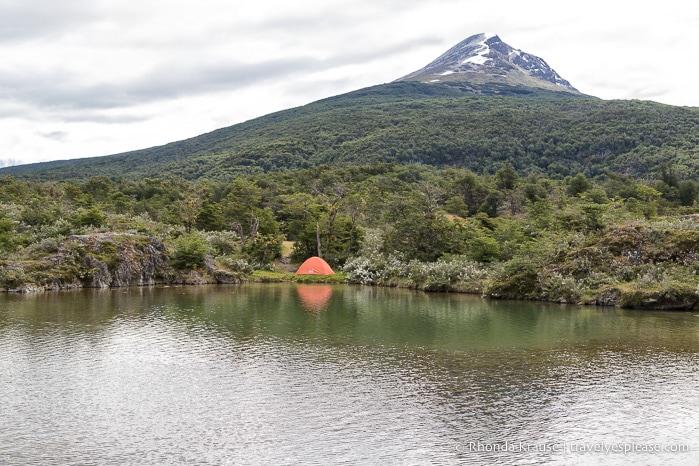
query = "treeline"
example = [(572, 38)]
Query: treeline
[(503, 234)]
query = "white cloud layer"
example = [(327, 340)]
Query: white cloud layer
[(82, 78)]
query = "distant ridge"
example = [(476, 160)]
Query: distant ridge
[(484, 58)]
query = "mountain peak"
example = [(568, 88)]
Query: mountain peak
[(484, 58)]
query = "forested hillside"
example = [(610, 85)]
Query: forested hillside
[(443, 125)]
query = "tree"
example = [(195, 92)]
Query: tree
[(456, 205), (336, 244), (490, 205), (243, 196), (469, 187), (210, 217), (91, 217), (416, 232), (40, 212), (578, 185), (687, 192), (187, 211), (540, 213), (506, 178), (263, 249)]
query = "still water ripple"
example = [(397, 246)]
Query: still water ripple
[(254, 375)]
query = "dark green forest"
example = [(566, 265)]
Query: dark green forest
[(540, 133)]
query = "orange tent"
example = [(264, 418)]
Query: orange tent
[(314, 266)]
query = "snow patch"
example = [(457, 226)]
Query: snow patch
[(447, 73), (477, 59)]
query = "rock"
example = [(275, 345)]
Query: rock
[(608, 297), (118, 260)]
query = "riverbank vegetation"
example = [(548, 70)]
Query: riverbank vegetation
[(610, 240)]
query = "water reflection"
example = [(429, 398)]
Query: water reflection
[(356, 375), (314, 298)]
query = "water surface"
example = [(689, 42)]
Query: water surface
[(320, 374)]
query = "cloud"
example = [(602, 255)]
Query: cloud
[(62, 89), (55, 135), (22, 20)]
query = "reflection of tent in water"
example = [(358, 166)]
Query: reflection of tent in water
[(314, 266), (314, 298)]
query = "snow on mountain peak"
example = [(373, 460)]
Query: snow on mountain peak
[(483, 58)]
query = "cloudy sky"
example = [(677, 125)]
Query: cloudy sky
[(83, 78)]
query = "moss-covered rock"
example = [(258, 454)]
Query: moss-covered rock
[(664, 296), (91, 261)]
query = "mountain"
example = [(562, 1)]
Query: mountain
[(480, 104), (484, 58)]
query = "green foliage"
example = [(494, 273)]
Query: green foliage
[(11, 277), (7, 235), (576, 239), (90, 217), (224, 243), (338, 241), (482, 128), (456, 205), (236, 265), (490, 205), (210, 217), (517, 279), (483, 249), (687, 192), (578, 185), (540, 213), (506, 178), (190, 251), (40, 213), (417, 236), (263, 248)]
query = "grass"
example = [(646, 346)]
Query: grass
[(287, 248), (265, 276)]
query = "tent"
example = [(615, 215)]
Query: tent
[(314, 266)]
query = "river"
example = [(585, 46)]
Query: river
[(320, 374)]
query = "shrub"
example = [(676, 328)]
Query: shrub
[(11, 277), (91, 217), (440, 275), (190, 251), (235, 264), (224, 242)]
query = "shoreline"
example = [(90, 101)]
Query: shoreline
[(649, 301)]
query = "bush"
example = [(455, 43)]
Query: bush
[(441, 275), (517, 279), (224, 242), (11, 277), (92, 217), (190, 251), (237, 265)]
